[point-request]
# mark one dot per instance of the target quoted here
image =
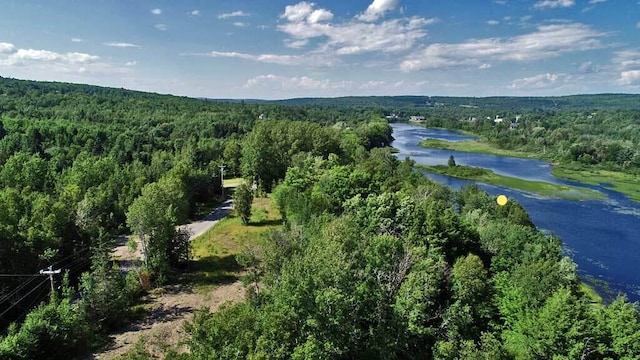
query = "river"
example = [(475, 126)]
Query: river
[(601, 236)]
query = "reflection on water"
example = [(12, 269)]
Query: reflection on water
[(602, 236)]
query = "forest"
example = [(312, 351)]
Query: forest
[(398, 104), (372, 261)]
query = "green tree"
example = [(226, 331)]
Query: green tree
[(153, 217), (451, 161), (106, 295), (242, 200)]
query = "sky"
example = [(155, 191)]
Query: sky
[(276, 49)]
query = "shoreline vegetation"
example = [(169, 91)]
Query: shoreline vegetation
[(537, 187), (617, 181)]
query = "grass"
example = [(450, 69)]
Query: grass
[(627, 184), (214, 251), (618, 181), (233, 182), (474, 146), (590, 293), (489, 177)]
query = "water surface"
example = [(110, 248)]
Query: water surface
[(601, 236)]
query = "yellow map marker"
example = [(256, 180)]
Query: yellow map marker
[(502, 200)]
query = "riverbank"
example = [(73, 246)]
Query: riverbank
[(537, 187), (618, 181)]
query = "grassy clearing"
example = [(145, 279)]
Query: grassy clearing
[(538, 187), (214, 252), (233, 182)]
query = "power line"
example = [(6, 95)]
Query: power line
[(70, 256), (22, 298), (18, 275), (222, 178), (16, 290)]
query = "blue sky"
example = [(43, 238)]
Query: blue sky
[(274, 49)]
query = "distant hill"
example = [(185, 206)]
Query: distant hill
[(572, 102), (389, 103)]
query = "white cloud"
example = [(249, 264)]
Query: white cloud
[(293, 60), (351, 37), (631, 77), (552, 4), (76, 57), (240, 24), (266, 58), (156, 11), (37, 55), (296, 44), (195, 13), (320, 15), (298, 12), (596, 1), (76, 40), (295, 83), (538, 81), (232, 14), (377, 9), (627, 59), (493, 22), (131, 63), (547, 42), (484, 66), (49, 65), (6, 48), (374, 84), (588, 68), (121, 44), (638, 25), (21, 57), (161, 27)]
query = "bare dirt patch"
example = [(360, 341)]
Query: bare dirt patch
[(162, 328)]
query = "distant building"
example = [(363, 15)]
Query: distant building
[(262, 117), (514, 124), (417, 118), (392, 117), (498, 120)]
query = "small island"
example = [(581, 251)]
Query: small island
[(490, 177), (616, 180)]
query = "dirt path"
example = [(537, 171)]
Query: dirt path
[(170, 306), (163, 327)]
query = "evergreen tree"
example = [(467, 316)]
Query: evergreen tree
[(452, 161), (242, 199)]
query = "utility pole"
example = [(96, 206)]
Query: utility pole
[(50, 272), (222, 179)]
